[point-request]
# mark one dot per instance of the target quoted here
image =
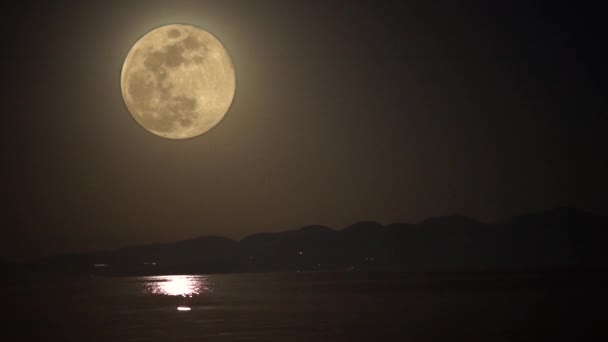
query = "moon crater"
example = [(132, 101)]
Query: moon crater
[(178, 81)]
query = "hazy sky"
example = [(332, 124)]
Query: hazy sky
[(388, 111)]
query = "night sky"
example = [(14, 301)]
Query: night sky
[(388, 111)]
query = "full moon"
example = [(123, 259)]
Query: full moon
[(178, 81)]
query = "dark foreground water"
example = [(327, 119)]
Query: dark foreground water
[(309, 307)]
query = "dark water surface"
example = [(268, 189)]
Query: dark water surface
[(310, 307)]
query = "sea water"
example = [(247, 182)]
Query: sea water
[(347, 306)]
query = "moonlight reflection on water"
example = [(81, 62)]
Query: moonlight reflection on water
[(185, 286)]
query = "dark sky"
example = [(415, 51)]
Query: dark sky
[(388, 111)]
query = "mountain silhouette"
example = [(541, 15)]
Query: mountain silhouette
[(561, 238), (453, 220)]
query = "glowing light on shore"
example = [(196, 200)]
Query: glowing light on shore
[(183, 308)]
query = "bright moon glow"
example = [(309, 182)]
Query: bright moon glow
[(178, 81), (185, 286)]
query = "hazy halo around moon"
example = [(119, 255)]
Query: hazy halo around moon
[(178, 81)]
